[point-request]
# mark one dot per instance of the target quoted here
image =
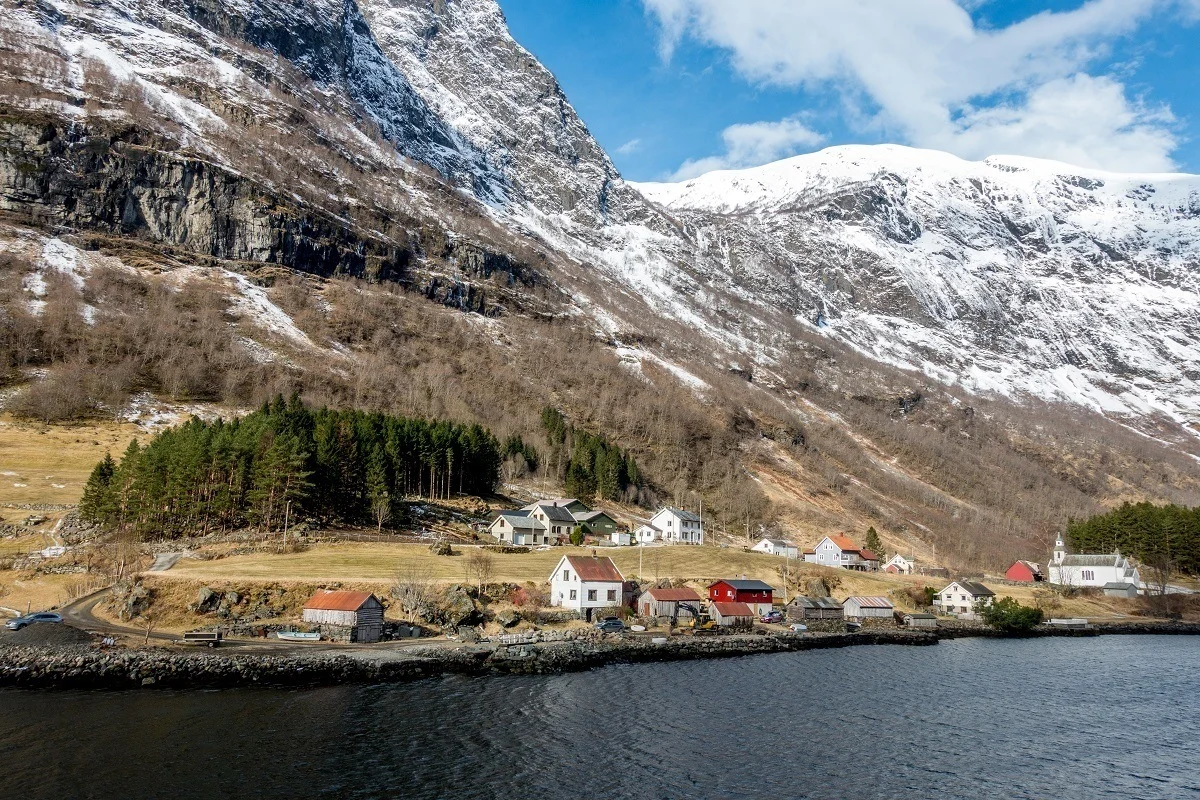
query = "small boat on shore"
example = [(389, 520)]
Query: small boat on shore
[(297, 636)]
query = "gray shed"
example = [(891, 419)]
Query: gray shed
[(356, 616), (1115, 589), (803, 608), (917, 620)]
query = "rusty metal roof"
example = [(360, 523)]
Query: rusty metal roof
[(733, 609), (674, 595), (595, 569), (338, 601)]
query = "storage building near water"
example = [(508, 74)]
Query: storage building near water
[(355, 616), (863, 607)]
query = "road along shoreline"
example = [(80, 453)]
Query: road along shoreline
[(121, 668)]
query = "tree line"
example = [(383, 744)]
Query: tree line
[(1167, 534), (594, 467), (286, 461)]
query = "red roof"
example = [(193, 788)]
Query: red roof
[(868, 555), (674, 595), (844, 542), (601, 570), (733, 609), (338, 601)]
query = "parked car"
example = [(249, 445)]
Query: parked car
[(610, 625), (774, 616), (797, 627), (29, 619)]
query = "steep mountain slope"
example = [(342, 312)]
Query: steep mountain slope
[(185, 184), (1013, 276)]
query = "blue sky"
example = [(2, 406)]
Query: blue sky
[(674, 88)]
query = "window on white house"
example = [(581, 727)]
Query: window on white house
[(612, 594), (566, 574), (574, 594), (591, 594)]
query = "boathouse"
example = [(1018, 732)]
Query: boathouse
[(348, 616)]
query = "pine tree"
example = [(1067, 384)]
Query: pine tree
[(377, 488), (874, 544), (99, 502)]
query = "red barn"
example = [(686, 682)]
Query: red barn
[(1024, 572), (756, 594)]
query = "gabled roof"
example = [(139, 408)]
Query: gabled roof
[(733, 609), (1034, 568), (972, 588), (870, 602), (684, 515), (595, 569), (868, 555), (778, 543), (553, 513), (745, 585), (588, 516), (338, 601), (521, 522), (1118, 585), (561, 502), (844, 542), (815, 602), (1110, 560), (681, 595)]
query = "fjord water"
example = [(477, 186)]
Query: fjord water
[(1048, 718)]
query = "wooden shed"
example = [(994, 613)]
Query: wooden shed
[(863, 607), (356, 616), (669, 603), (915, 620), (804, 608), (728, 615)]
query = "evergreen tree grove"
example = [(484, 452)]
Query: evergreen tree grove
[(286, 459)]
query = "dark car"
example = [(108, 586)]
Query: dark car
[(774, 616), (29, 619), (610, 625)]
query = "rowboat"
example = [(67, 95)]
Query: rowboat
[(297, 636)]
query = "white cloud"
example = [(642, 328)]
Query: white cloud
[(748, 145), (932, 77), (629, 148)]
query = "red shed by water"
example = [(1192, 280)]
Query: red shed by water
[(756, 594), (1024, 572)]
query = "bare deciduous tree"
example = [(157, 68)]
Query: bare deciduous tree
[(414, 591), (480, 565)]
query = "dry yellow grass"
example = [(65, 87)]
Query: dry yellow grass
[(36, 594), (51, 463), (381, 562)]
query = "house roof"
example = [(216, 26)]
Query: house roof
[(1081, 560), (595, 569), (338, 601), (588, 516), (868, 555), (815, 602), (973, 589), (1118, 585), (1032, 566), (684, 515), (778, 543), (746, 585), (674, 595), (553, 513), (844, 542), (920, 616), (870, 602), (733, 609), (521, 522)]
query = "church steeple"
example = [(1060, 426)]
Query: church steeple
[(1060, 549)]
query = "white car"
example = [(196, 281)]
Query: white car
[(796, 627)]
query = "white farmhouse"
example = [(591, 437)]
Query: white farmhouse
[(1091, 570), (899, 565), (777, 547), (960, 598), (840, 551), (515, 528), (671, 526), (583, 583)]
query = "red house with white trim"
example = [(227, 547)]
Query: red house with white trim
[(756, 594)]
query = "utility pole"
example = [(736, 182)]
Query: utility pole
[(287, 513)]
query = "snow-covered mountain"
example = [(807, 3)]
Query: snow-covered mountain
[(1011, 276), (1007, 277)]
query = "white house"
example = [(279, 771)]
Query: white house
[(960, 598), (899, 565), (863, 607), (672, 526), (777, 547), (517, 529), (1088, 570), (583, 583), (840, 551), (558, 520)]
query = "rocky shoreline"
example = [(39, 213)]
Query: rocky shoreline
[(91, 668)]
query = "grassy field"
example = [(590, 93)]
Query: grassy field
[(50, 463)]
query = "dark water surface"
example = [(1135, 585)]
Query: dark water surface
[(1109, 717)]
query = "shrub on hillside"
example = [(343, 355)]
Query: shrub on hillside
[(1008, 616)]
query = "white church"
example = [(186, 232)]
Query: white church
[(1098, 571)]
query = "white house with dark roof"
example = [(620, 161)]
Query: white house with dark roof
[(672, 526), (960, 598), (1087, 570), (519, 529), (558, 521)]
